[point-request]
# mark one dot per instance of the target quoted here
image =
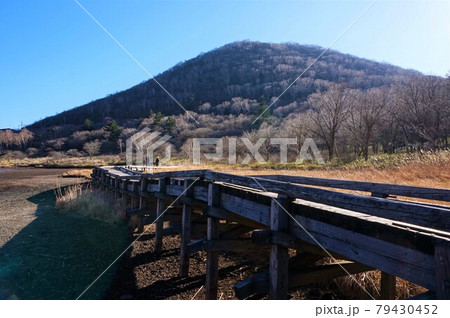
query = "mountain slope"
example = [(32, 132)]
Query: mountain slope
[(241, 69)]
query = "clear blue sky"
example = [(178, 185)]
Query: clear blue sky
[(53, 57)]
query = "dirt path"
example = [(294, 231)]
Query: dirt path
[(16, 186), (44, 253)]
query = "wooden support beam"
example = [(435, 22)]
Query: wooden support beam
[(325, 273), (259, 283), (268, 237), (442, 259), (278, 280), (388, 286), (227, 245), (172, 230), (212, 262), (186, 228), (195, 246), (160, 209)]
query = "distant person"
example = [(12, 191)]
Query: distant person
[(156, 163)]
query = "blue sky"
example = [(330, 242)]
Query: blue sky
[(53, 57)]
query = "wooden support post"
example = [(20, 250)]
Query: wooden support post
[(186, 230), (212, 262), (142, 204), (160, 208), (278, 277), (442, 259), (388, 283)]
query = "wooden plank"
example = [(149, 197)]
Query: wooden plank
[(409, 264), (268, 237), (255, 211), (212, 262), (278, 278), (186, 225), (176, 174), (223, 214), (160, 209), (403, 234), (434, 217), (442, 258), (373, 187), (388, 286), (175, 190)]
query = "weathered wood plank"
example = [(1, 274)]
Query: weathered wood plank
[(220, 213), (248, 209), (409, 264), (403, 234), (373, 187), (427, 216)]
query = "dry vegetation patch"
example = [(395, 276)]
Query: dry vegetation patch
[(87, 201)]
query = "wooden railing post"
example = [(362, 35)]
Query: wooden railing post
[(388, 284), (160, 208), (278, 278), (212, 262), (442, 259), (186, 229)]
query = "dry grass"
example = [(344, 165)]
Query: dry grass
[(371, 281), (89, 202), (360, 286), (77, 173), (63, 162)]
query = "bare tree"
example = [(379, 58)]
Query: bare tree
[(330, 111), (92, 148), (24, 137), (366, 111), (426, 110)]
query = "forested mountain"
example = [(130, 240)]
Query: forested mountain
[(350, 106), (241, 69)]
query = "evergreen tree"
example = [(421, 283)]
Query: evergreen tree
[(158, 117), (88, 125), (114, 130)]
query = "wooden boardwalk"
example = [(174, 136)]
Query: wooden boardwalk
[(409, 239)]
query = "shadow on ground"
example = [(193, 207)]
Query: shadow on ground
[(58, 255)]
